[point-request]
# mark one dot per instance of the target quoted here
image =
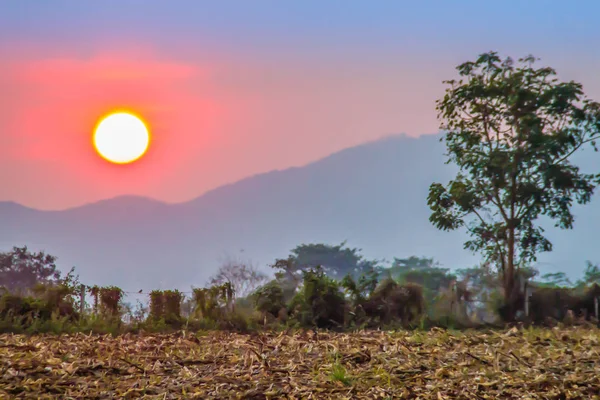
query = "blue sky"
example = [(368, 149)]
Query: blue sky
[(347, 25)]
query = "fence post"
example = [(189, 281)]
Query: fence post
[(596, 307), (526, 299), (454, 299), (81, 299)]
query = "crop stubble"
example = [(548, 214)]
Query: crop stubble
[(551, 363)]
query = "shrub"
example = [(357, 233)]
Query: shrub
[(44, 302), (165, 305), (585, 302), (110, 301), (214, 301), (157, 304), (172, 306), (320, 302), (391, 302), (269, 299), (18, 306), (554, 303)]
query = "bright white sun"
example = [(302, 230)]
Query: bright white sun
[(121, 138)]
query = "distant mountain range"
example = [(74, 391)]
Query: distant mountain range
[(373, 195)]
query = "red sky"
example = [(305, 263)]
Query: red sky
[(212, 121)]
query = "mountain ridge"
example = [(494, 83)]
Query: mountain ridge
[(372, 195), (149, 199)]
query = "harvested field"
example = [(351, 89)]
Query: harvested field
[(537, 363)]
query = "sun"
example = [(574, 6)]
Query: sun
[(121, 138)]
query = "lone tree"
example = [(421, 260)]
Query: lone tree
[(512, 129)]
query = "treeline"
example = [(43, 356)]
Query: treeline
[(317, 285)]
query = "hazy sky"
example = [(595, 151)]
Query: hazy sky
[(231, 89)]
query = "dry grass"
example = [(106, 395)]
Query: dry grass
[(524, 364)]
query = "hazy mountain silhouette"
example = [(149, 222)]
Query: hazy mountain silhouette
[(373, 195)]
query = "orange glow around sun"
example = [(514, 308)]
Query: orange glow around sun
[(121, 138)]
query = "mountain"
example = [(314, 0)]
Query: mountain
[(373, 195)]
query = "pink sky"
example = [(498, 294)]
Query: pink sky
[(214, 118)]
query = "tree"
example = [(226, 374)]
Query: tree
[(21, 269), (481, 277), (511, 130), (414, 263), (243, 276), (555, 280), (336, 261), (288, 271), (422, 271), (591, 275)]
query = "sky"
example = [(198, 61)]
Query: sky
[(231, 89)]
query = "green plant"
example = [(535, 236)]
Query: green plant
[(339, 373), (269, 298), (157, 304), (320, 301), (12, 306), (391, 303), (110, 301), (172, 304)]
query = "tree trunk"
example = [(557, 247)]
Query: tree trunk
[(509, 277)]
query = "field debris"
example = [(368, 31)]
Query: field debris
[(527, 363)]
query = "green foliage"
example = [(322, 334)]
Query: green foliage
[(269, 298), (21, 269), (15, 305), (288, 270), (320, 302), (481, 276), (172, 302), (238, 321), (110, 301), (74, 287), (422, 271), (591, 275), (554, 280), (157, 305), (392, 302), (511, 130), (58, 298), (165, 306), (44, 303), (413, 263), (339, 372), (212, 302), (31, 325), (56, 324), (360, 290), (336, 261)]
